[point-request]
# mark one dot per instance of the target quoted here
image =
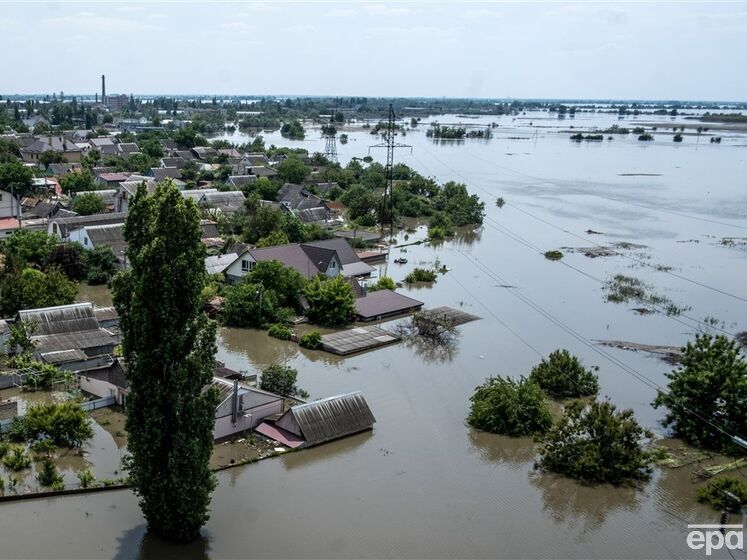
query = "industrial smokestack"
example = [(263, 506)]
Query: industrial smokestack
[(103, 89)]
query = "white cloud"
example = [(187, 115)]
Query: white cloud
[(342, 12), (238, 26), (388, 10), (302, 28), (97, 23), (481, 13), (416, 32)]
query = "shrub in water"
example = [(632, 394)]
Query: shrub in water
[(715, 493), (513, 408), (49, 475), (280, 331), (562, 375), (420, 275), (16, 459), (311, 340), (596, 444)]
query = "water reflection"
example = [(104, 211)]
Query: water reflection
[(517, 453), (325, 452), (580, 506), (432, 352), (151, 546)]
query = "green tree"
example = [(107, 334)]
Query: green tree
[(64, 423), (293, 130), (262, 223), (509, 407), (68, 257), (563, 376), (34, 288), (279, 379), (78, 181), (26, 246), (463, 208), (331, 301), (50, 157), (250, 305), (293, 170), (596, 444), (359, 201), (709, 386), (16, 178), (152, 148), (88, 203), (286, 282), (100, 265), (169, 346), (384, 283), (272, 239)]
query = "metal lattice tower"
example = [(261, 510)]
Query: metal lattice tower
[(329, 133), (390, 143)]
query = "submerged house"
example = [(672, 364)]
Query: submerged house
[(320, 421)]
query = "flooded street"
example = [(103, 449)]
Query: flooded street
[(423, 484)]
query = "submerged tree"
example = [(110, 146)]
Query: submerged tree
[(708, 390), (509, 407), (597, 444), (562, 375), (169, 346)]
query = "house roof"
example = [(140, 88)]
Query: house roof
[(44, 209), (61, 318), (319, 255), (114, 374), (204, 152), (163, 173), (209, 229), (63, 356), (262, 171), (241, 180), (173, 162), (131, 186), (333, 417), (75, 340), (110, 235), (319, 215), (9, 223), (291, 255), (114, 177), (249, 397), (382, 303), (105, 314), (351, 263), (196, 194), (128, 147), (296, 197), (218, 263), (51, 144), (227, 201), (68, 224)]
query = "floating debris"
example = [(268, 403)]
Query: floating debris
[(670, 354)]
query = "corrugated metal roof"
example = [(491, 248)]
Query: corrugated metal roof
[(218, 263), (333, 417), (75, 340), (63, 356), (61, 319), (105, 313)]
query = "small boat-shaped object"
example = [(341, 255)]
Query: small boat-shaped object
[(400, 261)]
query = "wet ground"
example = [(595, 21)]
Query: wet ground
[(422, 484)]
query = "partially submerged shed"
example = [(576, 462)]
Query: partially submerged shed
[(321, 421)]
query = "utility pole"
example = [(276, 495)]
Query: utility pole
[(390, 143)]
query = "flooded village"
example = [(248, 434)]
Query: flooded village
[(281, 326)]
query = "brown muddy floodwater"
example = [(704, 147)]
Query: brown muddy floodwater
[(423, 484)]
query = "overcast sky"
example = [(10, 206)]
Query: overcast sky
[(623, 50)]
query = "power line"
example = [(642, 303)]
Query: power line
[(523, 241), (625, 367)]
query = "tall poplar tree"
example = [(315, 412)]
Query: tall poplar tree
[(168, 347)]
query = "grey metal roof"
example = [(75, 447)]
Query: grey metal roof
[(317, 215), (61, 319), (227, 201), (291, 255), (68, 224), (64, 356), (382, 303), (218, 263), (333, 417), (75, 340), (105, 313)]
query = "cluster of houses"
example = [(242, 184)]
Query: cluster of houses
[(81, 339)]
